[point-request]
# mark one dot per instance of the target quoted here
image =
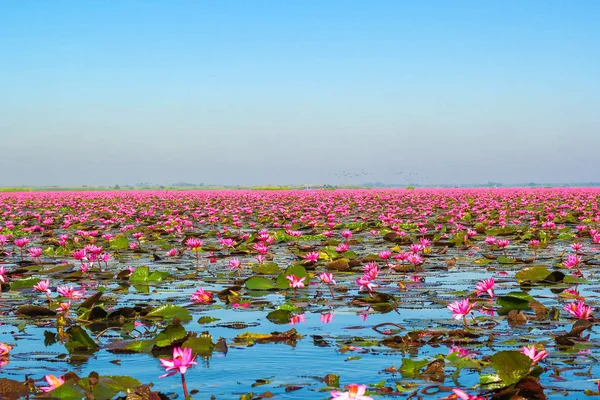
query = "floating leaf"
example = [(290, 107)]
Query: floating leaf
[(279, 316), (207, 320), (259, 283), (119, 242), (266, 269), (532, 274), (201, 345), (35, 311), (131, 346), (24, 283), (411, 368), (511, 366), (67, 391), (169, 335), (11, 389), (506, 260), (90, 301), (79, 340), (170, 311), (515, 301), (142, 275)]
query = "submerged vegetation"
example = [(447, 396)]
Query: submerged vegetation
[(354, 294)]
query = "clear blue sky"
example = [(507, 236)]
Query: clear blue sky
[(257, 92)]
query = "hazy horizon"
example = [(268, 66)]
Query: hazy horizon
[(271, 92)]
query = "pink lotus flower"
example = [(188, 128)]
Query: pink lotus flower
[(459, 350), (261, 248), (3, 278), (347, 234), (181, 361), (460, 309), (42, 286), (21, 242), (365, 283), (227, 242), (235, 263), (486, 286), (503, 243), (327, 278), (415, 248), (577, 247), (385, 254), (295, 282), (5, 349), (465, 396), (535, 355), (424, 242), (491, 240), (355, 392), (201, 296), (69, 292), (572, 261), (579, 310), (53, 381), (35, 252), (415, 259), (371, 271), (79, 254), (194, 243), (342, 248), (171, 253), (571, 292), (64, 307), (92, 248), (311, 257)]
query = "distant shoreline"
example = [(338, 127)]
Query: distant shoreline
[(27, 189)]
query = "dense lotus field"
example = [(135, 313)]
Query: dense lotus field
[(348, 294)]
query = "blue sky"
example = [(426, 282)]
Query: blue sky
[(259, 92)]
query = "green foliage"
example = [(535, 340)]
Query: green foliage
[(511, 366), (24, 283), (170, 311), (119, 242)]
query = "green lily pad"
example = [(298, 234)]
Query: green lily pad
[(511, 366), (170, 311), (24, 283)]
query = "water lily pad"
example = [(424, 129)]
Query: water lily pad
[(170, 311), (279, 316), (511, 366), (35, 311), (119, 242), (532, 274), (259, 283), (79, 340), (24, 283)]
